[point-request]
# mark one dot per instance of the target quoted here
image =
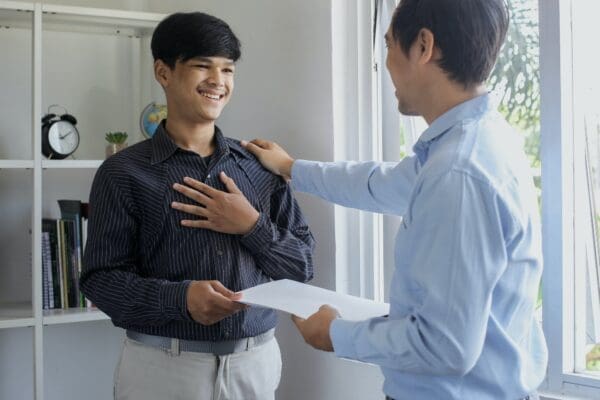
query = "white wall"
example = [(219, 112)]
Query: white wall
[(284, 93)]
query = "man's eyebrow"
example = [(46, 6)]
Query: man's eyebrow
[(210, 61)]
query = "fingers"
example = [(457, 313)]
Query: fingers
[(265, 144), (197, 223), (252, 148), (190, 209), (230, 294), (224, 305), (298, 321), (257, 144), (327, 307), (219, 288), (204, 188), (193, 194), (229, 183)]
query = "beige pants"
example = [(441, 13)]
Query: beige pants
[(148, 373)]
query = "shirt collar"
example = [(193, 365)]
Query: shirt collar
[(164, 147), (472, 108)]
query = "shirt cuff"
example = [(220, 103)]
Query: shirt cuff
[(300, 170), (340, 332), (173, 299), (260, 237)]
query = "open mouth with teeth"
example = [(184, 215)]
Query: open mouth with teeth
[(211, 96)]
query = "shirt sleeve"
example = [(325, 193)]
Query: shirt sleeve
[(110, 277), (457, 227), (282, 243), (370, 186)]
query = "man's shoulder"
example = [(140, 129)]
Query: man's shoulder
[(250, 164), (236, 146), (129, 159), (138, 152)]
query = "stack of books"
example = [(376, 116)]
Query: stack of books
[(63, 242)]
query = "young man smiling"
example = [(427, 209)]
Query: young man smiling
[(163, 257)]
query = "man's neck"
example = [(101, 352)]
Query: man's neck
[(446, 97), (196, 137)]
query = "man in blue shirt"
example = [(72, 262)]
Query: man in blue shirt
[(468, 252)]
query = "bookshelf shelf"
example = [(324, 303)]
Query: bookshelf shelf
[(16, 315), (16, 164), (73, 315), (77, 164)]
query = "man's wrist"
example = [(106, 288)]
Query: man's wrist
[(252, 225), (286, 173)]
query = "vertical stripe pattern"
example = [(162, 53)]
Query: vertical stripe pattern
[(139, 260)]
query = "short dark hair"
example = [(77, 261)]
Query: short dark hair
[(183, 36), (469, 33)]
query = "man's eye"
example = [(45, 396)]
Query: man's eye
[(228, 70), (201, 66)]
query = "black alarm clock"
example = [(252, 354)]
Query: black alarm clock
[(60, 137)]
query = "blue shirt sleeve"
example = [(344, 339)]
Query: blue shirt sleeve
[(371, 186), (458, 254)]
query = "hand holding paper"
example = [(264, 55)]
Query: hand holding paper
[(304, 300), (313, 308)]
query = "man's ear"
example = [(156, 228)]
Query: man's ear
[(162, 73), (426, 45)]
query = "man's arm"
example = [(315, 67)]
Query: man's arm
[(110, 277), (281, 242), (370, 186), (449, 272)]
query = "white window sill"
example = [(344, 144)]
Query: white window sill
[(558, 396)]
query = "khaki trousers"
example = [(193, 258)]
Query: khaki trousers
[(149, 373)]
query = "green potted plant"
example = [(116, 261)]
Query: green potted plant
[(116, 142)]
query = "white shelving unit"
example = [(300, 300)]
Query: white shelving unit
[(97, 64)]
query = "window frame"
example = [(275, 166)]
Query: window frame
[(563, 282)]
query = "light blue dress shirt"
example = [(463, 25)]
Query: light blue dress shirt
[(468, 260)]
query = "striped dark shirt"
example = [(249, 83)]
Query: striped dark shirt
[(139, 260)]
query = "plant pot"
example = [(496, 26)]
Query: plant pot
[(113, 148)]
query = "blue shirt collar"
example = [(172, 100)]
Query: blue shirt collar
[(472, 108)]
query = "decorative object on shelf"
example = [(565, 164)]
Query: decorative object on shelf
[(116, 142), (150, 117), (60, 137)]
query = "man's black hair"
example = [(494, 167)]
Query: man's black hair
[(183, 36), (469, 33)]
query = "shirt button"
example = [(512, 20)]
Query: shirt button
[(219, 253), (226, 333), (208, 176)]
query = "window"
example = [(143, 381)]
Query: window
[(569, 136), (586, 115)]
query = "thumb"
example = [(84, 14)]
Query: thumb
[(298, 321), (253, 148), (262, 143), (229, 183), (219, 288)]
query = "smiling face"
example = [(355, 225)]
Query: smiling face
[(403, 72), (197, 90)]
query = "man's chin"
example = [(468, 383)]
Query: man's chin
[(407, 111)]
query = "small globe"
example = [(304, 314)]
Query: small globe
[(150, 117)]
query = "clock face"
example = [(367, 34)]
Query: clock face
[(63, 137)]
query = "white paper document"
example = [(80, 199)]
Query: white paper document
[(304, 300)]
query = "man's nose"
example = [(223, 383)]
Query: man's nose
[(216, 77)]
